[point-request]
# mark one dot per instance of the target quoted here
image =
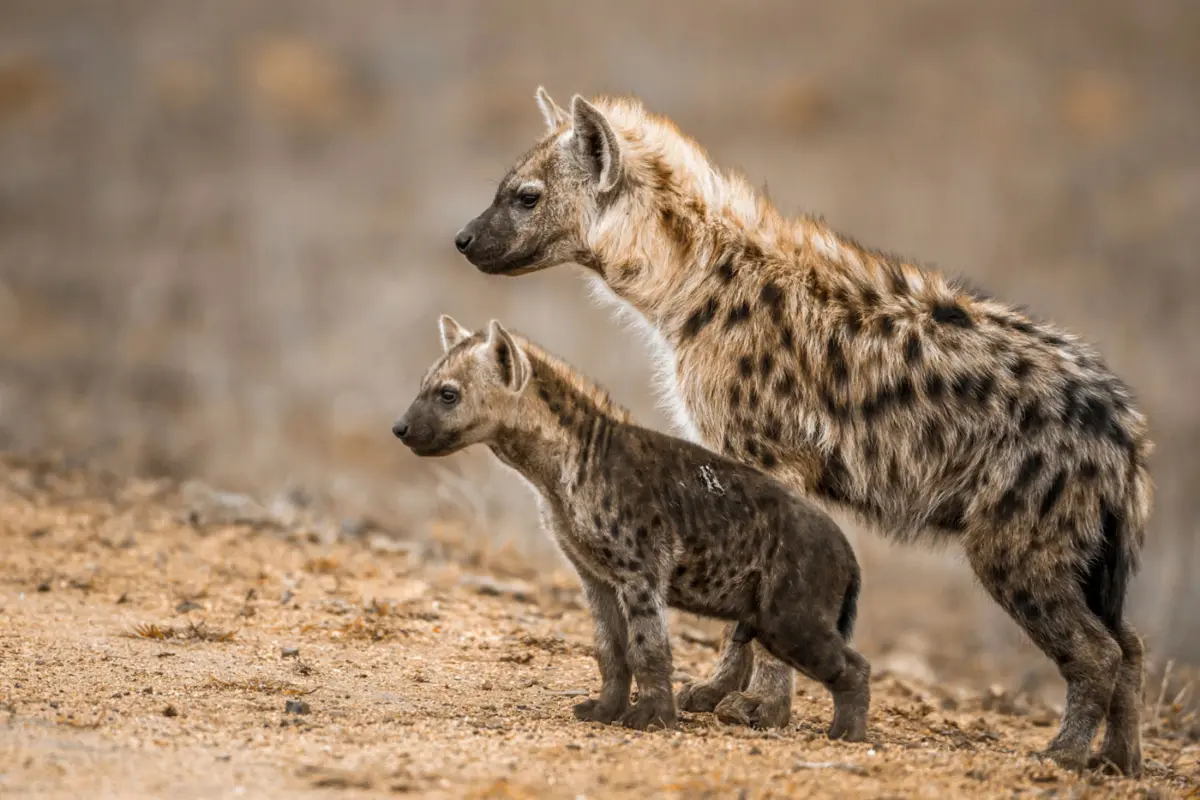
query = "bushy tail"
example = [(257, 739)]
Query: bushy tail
[(845, 623), (1106, 579)]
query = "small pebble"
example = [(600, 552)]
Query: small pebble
[(296, 707), (170, 711), (44, 586), (291, 652)]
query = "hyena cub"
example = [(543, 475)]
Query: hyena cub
[(650, 521)]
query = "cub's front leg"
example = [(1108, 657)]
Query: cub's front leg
[(611, 636), (649, 653)]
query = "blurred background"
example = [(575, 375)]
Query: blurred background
[(226, 229)]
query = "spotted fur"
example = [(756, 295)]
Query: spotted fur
[(864, 380), (650, 521)]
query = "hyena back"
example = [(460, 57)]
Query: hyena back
[(873, 384), (650, 521)]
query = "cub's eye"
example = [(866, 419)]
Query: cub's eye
[(448, 395), (528, 199)]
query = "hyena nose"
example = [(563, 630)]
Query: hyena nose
[(463, 240), (400, 429)]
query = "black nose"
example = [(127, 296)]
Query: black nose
[(400, 429), (463, 240)]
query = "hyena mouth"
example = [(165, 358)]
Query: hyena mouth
[(511, 265)]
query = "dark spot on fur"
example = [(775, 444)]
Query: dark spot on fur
[(1009, 505), (997, 575), (765, 365), (1096, 416), (935, 386), (835, 359), (1021, 368), (841, 296), (772, 297), (834, 480), (1023, 326), (912, 349), (772, 428), (950, 515), (901, 394), (606, 503), (870, 446), (1025, 606), (751, 448), (768, 459), (1031, 467), (735, 395), (1032, 418), (1053, 493), (1088, 470), (951, 313), (786, 339), (545, 395), (887, 325), (725, 270), (746, 366), (737, 315), (984, 388), (753, 399), (680, 571), (896, 280), (700, 318), (640, 638), (786, 383), (614, 531), (870, 297), (932, 439), (597, 521)]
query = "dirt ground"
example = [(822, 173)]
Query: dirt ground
[(158, 639)]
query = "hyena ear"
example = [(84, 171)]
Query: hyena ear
[(509, 358), (555, 117), (596, 145), (452, 332)]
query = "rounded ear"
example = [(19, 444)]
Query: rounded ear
[(555, 117), (510, 359), (452, 332), (596, 145)]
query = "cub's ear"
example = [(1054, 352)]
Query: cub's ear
[(555, 117), (596, 145), (452, 332), (510, 359)]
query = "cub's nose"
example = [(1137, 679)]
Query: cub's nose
[(400, 430), (463, 240)]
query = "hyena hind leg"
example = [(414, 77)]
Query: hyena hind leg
[(731, 674), (823, 655), (1054, 614), (1122, 748)]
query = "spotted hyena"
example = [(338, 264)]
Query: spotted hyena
[(650, 521), (860, 379)]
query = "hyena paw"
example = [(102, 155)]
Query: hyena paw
[(1127, 762), (849, 726), (597, 711), (1069, 758), (755, 711), (647, 713), (701, 697)]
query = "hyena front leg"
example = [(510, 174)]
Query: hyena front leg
[(731, 674), (767, 701), (611, 637), (649, 651)]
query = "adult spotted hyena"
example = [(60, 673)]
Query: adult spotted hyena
[(648, 521), (874, 384)]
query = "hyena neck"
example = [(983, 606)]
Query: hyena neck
[(680, 269), (552, 440)]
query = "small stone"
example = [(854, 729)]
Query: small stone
[(486, 686), (186, 606), (296, 707), (170, 711), (291, 652), (44, 586)]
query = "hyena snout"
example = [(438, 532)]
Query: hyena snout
[(400, 429), (467, 239)]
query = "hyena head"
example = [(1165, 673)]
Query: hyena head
[(469, 394), (545, 205)]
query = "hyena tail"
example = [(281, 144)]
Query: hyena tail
[(845, 623), (1106, 578)]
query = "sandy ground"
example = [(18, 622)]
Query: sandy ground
[(152, 646)]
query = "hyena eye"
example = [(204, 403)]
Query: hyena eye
[(448, 395), (528, 199)]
